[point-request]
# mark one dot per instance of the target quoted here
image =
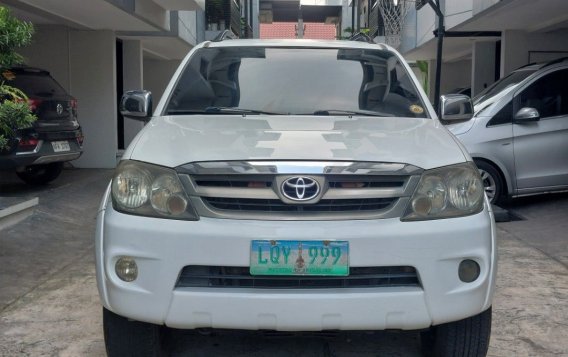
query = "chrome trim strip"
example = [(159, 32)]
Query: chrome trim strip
[(297, 167), (56, 158), (396, 210), (34, 151)]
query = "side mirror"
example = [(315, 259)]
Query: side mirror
[(136, 104), (526, 115), (456, 107)]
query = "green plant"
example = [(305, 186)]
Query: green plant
[(349, 32), (423, 67), (15, 113)]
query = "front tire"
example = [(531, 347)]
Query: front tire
[(492, 182), (465, 338), (41, 174), (124, 338)]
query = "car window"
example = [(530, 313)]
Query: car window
[(548, 95), (504, 116), (37, 85), (511, 80), (323, 81)]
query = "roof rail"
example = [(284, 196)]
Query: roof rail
[(558, 60), (361, 37), (226, 34)]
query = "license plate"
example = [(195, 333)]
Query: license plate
[(59, 146), (292, 257)]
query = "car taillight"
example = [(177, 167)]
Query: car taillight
[(73, 104), (34, 104), (28, 144), (80, 140)]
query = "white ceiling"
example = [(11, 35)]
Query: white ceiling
[(91, 14)]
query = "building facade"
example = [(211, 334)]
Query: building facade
[(97, 49), (497, 37)]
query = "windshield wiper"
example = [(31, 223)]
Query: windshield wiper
[(237, 110), (351, 112)]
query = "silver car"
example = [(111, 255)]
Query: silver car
[(518, 136)]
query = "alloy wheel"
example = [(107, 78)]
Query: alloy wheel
[(488, 184)]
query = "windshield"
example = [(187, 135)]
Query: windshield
[(512, 79), (304, 81)]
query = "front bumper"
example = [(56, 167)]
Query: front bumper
[(163, 247)]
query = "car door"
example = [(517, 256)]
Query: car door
[(541, 147)]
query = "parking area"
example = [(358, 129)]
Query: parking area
[(49, 303)]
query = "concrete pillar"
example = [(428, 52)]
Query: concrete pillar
[(255, 19), (482, 66), (132, 79), (92, 73), (514, 50), (432, 80)]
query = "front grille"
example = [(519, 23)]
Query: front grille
[(198, 276), (266, 205), (275, 190)]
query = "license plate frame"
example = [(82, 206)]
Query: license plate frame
[(60, 146), (285, 257)]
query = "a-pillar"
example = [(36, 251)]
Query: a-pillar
[(132, 79), (482, 65), (92, 77)]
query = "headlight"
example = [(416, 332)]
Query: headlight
[(451, 191), (149, 190)]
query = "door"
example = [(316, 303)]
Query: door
[(541, 147)]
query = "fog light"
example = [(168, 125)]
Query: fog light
[(126, 269), (468, 271)]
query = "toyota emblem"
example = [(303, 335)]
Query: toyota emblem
[(300, 188)]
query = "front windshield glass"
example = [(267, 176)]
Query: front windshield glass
[(502, 84), (303, 81)]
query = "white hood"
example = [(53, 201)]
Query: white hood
[(175, 140)]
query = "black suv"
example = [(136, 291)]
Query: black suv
[(38, 153)]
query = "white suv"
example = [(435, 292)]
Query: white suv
[(295, 185)]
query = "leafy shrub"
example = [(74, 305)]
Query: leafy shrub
[(15, 113)]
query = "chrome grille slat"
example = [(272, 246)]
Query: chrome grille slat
[(252, 189), (224, 203)]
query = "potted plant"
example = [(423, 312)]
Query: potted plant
[(15, 113)]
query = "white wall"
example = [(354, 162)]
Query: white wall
[(457, 11), (132, 79), (50, 50), (84, 63), (483, 66), (454, 75), (187, 21), (481, 5), (157, 75), (425, 24), (515, 47), (92, 70)]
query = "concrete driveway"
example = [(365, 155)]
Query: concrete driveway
[(49, 304)]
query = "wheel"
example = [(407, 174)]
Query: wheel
[(465, 338), (41, 174), (492, 182), (125, 338)]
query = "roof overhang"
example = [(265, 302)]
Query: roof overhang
[(525, 15)]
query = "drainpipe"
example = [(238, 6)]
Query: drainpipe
[(300, 23), (352, 17)]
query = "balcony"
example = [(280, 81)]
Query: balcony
[(223, 15)]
